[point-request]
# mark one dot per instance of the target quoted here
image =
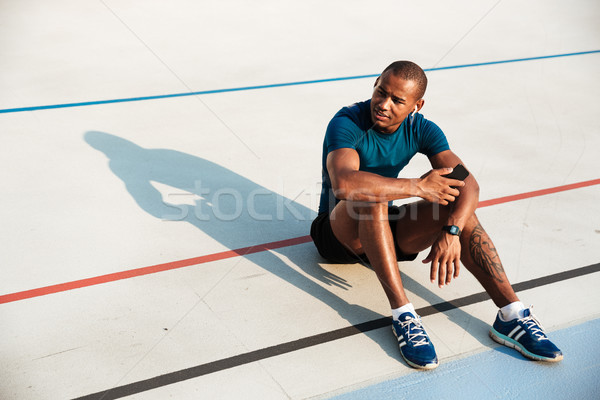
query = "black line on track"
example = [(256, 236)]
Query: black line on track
[(288, 347)]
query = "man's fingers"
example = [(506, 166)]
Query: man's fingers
[(456, 267), (433, 269), (449, 272), (428, 258), (450, 198), (444, 171), (443, 268), (456, 183), (452, 270), (442, 273), (450, 195), (454, 192)]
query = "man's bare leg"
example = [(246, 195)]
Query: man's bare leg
[(518, 329), (421, 226), (480, 257), (364, 229)]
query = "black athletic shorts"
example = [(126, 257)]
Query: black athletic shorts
[(333, 251)]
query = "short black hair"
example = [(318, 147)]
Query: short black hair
[(409, 71)]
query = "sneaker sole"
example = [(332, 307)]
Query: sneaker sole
[(412, 364), (417, 366), (506, 341)]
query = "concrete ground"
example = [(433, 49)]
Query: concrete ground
[(161, 168)]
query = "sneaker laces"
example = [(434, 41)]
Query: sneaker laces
[(415, 332), (534, 326)]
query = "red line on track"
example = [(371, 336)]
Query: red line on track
[(62, 287), (536, 193)]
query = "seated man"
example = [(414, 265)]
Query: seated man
[(365, 147)]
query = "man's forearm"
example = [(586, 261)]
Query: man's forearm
[(364, 186), (466, 203)]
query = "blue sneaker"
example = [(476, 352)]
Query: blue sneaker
[(527, 336), (415, 346)]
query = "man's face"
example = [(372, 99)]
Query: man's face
[(393, 99)]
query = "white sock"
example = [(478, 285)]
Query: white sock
[(396, 312), (512, 311)]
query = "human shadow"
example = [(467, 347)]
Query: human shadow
[(229, 208), (237, 212)]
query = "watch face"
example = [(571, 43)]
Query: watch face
[(453, 230)]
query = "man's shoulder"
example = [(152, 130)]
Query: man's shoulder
[(357, 114), (421, 124), (428, 134)]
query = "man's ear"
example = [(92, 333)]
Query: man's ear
[(420, 104)]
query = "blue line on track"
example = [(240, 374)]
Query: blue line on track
[(275, 85)]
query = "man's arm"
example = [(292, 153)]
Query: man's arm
[(349, 183), (446, 250), (466, 204)]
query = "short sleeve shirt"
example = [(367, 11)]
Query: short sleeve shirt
[(379, 153)]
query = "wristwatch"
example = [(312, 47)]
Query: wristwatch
[(452, 229)]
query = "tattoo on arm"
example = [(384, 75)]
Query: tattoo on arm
[(484, 254)]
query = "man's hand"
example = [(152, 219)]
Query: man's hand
[(434, 188), (444, 258)]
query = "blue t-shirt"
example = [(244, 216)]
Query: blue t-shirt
[(380, 153)]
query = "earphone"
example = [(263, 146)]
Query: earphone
[(414, 112)]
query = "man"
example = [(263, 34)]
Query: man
[(365, 147)]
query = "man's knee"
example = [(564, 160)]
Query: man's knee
[(371, 211), (358, 211), (471, 224)]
